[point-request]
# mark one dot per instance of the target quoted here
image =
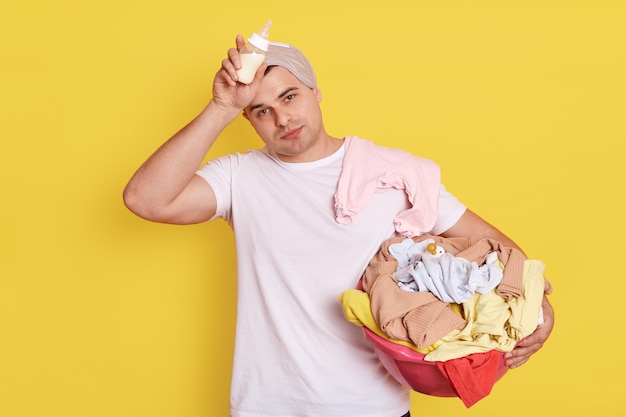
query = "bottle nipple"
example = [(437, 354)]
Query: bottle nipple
[(265, 32), (432, 248)]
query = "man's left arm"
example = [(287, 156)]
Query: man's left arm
[(472, 225)]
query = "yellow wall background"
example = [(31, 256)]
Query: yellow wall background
[(103, 314)]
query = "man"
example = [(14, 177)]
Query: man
[(295, 354)]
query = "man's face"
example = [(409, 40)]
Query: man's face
[(287, 116)]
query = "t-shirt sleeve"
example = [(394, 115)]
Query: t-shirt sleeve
[(219, 174), (450, 211)]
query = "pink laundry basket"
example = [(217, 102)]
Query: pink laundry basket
[(409, 368)]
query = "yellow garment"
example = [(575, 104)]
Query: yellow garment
[(495, 323), (356, 309), (526, 312)]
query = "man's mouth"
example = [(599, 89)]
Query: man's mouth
[(291, 133)]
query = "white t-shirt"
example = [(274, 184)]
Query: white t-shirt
[(295, 353)]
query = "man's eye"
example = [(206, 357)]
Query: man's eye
[(289, 97), (263, 112)]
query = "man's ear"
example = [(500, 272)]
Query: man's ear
[(318, 94), (244, 114)]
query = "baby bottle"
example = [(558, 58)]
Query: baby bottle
[(252, 54)]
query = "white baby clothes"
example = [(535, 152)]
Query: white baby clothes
[(449, 278), (453, 279)]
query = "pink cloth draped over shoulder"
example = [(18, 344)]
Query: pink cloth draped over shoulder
[(369, 169)]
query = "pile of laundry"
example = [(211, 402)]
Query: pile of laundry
[(459, 302)]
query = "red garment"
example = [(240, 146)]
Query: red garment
[(472, 377)]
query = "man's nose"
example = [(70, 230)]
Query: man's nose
[(282, 117)]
